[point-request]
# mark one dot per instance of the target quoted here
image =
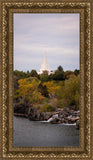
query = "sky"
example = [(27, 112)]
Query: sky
[(57, 34)]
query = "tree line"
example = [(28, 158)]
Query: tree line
[(58, 74), (46, 92)]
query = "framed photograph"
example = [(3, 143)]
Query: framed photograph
[(46, 79)]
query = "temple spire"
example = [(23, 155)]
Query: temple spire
[(45, 54), (44, 66)]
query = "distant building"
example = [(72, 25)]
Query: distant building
[(45, 67)]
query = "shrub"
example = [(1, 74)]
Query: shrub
[(62, 103), (47, 108), (43, 90), (44, 78), (50, 108), (68, 94)]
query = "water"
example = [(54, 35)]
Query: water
[(38, 134), (56, 116)]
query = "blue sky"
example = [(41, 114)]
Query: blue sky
[(57, 34)]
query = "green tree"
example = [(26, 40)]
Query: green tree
[(43, 90), (34, 73), (67, 74), (52, 76), (68, 94), (60, 68), (76, 72), (45, 72), (16, 76), (72, 90), (47, 108), (19, 74), (59, 75), (44, 78), (27, 74)]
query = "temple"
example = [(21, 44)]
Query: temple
[(44, 67)]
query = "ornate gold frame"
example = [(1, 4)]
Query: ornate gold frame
[(7, 9)]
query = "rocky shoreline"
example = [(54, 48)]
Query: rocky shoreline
[(67, 115)]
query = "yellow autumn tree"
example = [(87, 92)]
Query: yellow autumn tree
[(28, 91), (52, 87)]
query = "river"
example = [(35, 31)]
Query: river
[(40, 134)]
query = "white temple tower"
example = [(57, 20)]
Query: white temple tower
[(44, 66)]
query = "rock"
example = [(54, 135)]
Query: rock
[(60, 116), (70, 122), (65, 121), (66, 115), (47, 115), (62, 120), (77, 124), (59, 109), (33, 114), (56, 112), (69, 117), (21, 109), (74, 119), (36, 116), (41, 116), (54, 120), (76, 113), (67, 110)]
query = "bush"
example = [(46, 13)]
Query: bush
[(59, 75), (44, 78), (69, 92), (43, 90), (62, 103), (47, 108), (37, 107), (34, 73), (50, 108)]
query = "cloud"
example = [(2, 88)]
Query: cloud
[(58, 34)]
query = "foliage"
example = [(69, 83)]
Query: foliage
[(62, 103), (67, 74), (47, 108), (72, 88), (45, 72), (34, 73), (19, 74), (47, 92), (30, 79), (51, 76), (52, 87), (54, 102), (28, 91), (27, 74), (44, 78), (69, 93), (76, 72), (60, 68), (59, 75), (43, 90)]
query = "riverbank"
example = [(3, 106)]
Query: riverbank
[(61, 115)]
